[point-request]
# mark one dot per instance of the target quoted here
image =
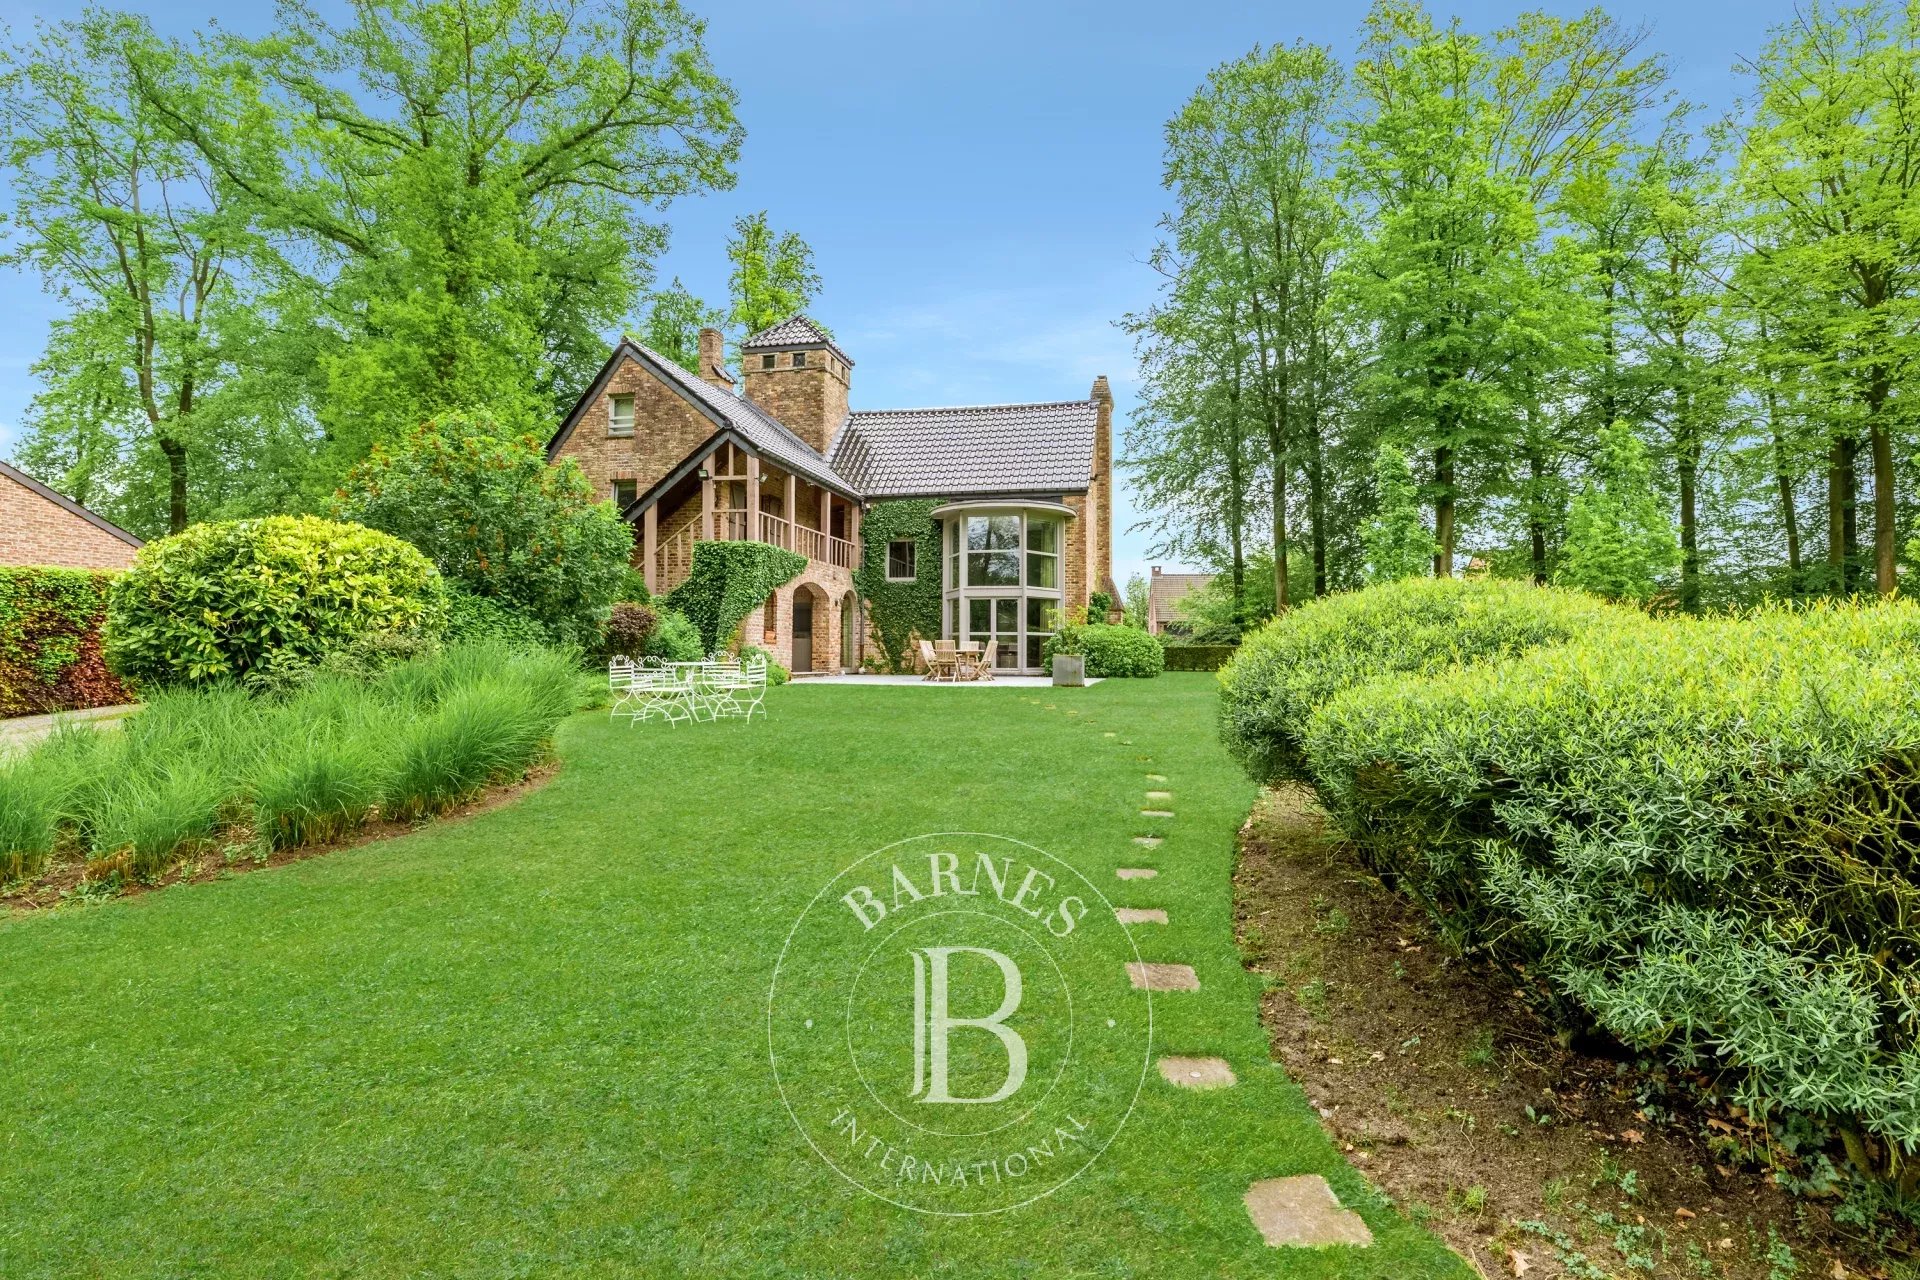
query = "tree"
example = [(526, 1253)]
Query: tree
[(498, 520), (1397, 540), (1619, 537), (1831, 165), (463, 192), (1138, 598), (674, 319), (139, 238), (773, 276)]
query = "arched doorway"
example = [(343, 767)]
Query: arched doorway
[(812, 629)]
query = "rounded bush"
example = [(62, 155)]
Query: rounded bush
[(675, 638), (629, 627), (1115, 652), (222, 601), (1288, 668)]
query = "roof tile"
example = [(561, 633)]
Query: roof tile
[(950, 452)]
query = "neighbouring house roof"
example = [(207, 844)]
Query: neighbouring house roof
[(794, 331), (1167, 590), (20, 477), (761, 430), (966, 450)]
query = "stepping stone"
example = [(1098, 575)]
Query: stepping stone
[(1156, 777), (1109, 734), (1147, 842), (1136, 873), (1303, 1212), (1159, 795), (1156, 813), (1139, 915), (1163, 977), (1197, 1073)]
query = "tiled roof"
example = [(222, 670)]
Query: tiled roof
[(1000, 448), (1168, 589), (761, 428), (794, 331)]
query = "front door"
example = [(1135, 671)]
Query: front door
[(802, 632)]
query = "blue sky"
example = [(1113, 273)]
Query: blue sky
[(979, 181)]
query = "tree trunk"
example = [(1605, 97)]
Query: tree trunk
[(1537, 470), (1317, 504), (1840, 512), (1280, 600), (1783, 480), (176, 455), (1443, 503)]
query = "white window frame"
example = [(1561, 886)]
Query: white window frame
[(613, 417), (913, 554), (957, 598)]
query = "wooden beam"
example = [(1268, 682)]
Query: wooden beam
[(649, 540), (791, 510), (753, 497), (826, 518), (703, 532)]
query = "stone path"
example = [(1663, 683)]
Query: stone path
[(1300, 1211), (23, 731)]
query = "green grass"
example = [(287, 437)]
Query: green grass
[(534, 1043)]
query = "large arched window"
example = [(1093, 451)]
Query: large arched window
[(1001, 576)]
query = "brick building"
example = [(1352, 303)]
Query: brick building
[(1165, 592), (40, 527), (1023, 491)]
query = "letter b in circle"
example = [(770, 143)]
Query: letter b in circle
[(933, 1022)]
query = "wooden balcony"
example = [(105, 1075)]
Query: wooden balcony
[(673, 560)]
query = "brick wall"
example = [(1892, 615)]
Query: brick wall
[(35, 531), (810, 402), (665, 429)]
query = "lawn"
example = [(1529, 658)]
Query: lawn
[(535, 1043)]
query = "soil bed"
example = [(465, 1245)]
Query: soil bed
[(1528, 1157)]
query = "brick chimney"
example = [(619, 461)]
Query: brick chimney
[(713, 359), (797, 373)]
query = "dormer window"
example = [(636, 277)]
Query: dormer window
[(619, 415), (767, 361), (799, 359)]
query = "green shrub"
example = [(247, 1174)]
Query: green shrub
[(1699, 835), (472, 618), (776, 673), (50, 656), (1099, 604), (901, 612), (1285, 671), (1199, 657), (1111, 651), (675, 639), (633, 588), (29, 817), (494, 516), (728, 581), (220, 601)]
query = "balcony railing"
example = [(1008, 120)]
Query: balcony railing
[(673, 560)]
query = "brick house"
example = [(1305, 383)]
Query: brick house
[(42, 528), (1023, 510), (1165, 591)]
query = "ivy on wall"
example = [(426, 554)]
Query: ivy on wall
[(900, 610), (728, 581), (50, 642)]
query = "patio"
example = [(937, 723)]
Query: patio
[(998, 681)]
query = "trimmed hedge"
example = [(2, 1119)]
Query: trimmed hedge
[(1199, 657), (1114, 652), (50, 657), (728, 581), (1700, 835), (230, 599), (1287, 669)]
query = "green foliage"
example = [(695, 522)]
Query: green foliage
[(494, 516), (50, 641), (902, 612), (1099, 604), (728, 581), (633, 588), (1397, 541), (1138, 596), (1199, 657), (675, 638), (1111, 651), (195, 769), (773, 276), (223, 601), (1698, 834), (776, 673), (1619, 539), (1284, 672), (484, 618), (673, 321)]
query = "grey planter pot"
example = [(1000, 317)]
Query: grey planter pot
[(1069, 669)]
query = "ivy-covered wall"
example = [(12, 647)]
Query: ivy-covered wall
[(900, 610), (50, 642), (728, 581)]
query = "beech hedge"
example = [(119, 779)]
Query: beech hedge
[(50, 657)]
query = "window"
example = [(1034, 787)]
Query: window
[(1043, 553), (993, 551), (1001, 581), (901, 559), (766, 361), (799, 359), (619, 415), (624, 492)]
